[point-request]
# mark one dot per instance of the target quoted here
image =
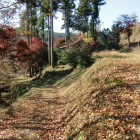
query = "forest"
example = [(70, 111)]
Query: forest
[(79, 85)]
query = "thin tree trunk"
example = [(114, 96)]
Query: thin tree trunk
[(30, 70), (128, 41), (51, 24), (28, 24), (67, 21), (34, 31), (0, 94), (31, 30), (43, 32), (28, 36), (49, 41)]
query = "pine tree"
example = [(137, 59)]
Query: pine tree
[(80, 22), (81, 17), (29, 17), (67, 6), (47, 8), (95, 4)]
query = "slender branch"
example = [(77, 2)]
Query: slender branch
[(8, 5)]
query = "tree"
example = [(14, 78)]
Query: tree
[(114, 34), (66, 6), (125, 23), (8, 40), (47, 8), (51, 33), (103, 40), (84, 8), (8, 9), (109, 39), (95, 4), (32, 57), (80, 19), (77, 54), (30, 17), (89, 11), (80, 22)]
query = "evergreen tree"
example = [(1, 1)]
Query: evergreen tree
[(81, 17), (80, 22), (66, 6), (95, 4), (41, 26), (114, 35), (29, 17), (89, 11), (47, 9)]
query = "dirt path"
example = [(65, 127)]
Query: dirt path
[(37, 117)]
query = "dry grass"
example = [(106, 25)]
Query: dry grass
[(104, 102)]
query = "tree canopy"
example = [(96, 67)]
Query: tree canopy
[(125, 23)]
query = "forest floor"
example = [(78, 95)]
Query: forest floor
[(101, 102), (40, 113), (37, 116)]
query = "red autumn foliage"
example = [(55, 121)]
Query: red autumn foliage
[(127, 30), (8, 39), (73, 42), (23, 50), (37, 44), (11, 46), (59, 42), (93, 43)]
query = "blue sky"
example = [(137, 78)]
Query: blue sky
[(109, 12), (114, 8)]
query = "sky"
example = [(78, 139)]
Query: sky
[(109, 12)]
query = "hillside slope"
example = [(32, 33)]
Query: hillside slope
[(102, 102), (105, 102)]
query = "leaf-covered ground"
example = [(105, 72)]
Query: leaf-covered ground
[(104, 103), (37, 116)]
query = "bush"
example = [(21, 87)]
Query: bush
[(126, 50), (76, 55), (108, 41), (59, 42), (60, 56)]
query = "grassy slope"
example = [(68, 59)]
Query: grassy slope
[(103, 103)]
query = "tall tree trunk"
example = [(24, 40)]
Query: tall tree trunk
[(43, 32), (51, 24), (49, 41), (28, 24), (67, 21), (30, 70), (31, 36), (92, 27), (95, 32), (128, 40), (0, 94), (28, 28), (34, 32)]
